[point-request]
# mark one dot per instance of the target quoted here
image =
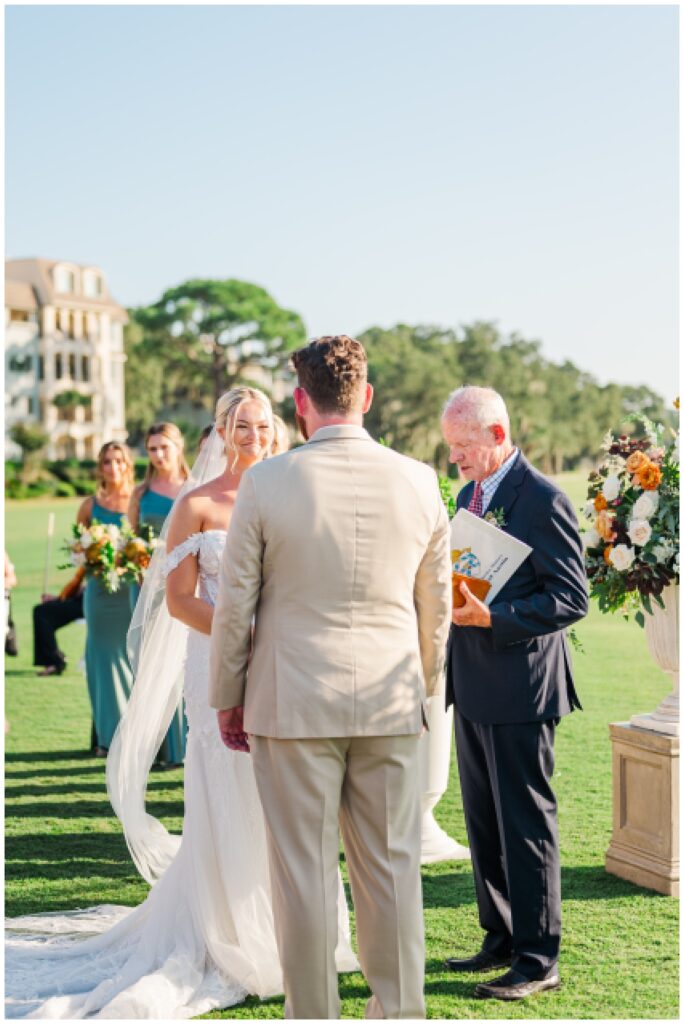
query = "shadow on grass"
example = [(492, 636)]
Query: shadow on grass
[(19, 792), (450, 890), (31, 756), (592, 882), (90, 808), (41, 773), (68, 855)]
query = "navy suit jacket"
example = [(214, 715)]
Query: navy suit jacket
[(519, 670)]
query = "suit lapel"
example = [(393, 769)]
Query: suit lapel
[(506, 494), (464, 495)]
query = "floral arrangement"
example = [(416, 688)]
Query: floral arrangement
[(495, 517), (116, 555), (632, 543)]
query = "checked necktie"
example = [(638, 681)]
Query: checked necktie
[(475, 505)]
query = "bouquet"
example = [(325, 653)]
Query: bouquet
[(632, 543), (114, 554)]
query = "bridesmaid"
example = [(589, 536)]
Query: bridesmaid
[(150, 504), (107, 615)]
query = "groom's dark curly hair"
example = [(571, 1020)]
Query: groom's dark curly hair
[(333, 371)]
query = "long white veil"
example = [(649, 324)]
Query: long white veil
[(156, 648)]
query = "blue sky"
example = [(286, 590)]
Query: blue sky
[(366, 165)]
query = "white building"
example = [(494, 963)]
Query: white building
[(63, 333)]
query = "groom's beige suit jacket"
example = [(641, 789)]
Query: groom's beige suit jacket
[(338, 557)]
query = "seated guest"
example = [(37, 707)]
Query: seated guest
[(52, 614)]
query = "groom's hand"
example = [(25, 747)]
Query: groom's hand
[(473, 612), (231, 727)]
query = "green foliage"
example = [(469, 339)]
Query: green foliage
[(632, 545), (199, 332), (71, 399), (558, 412), (64, 848), (446, 491), (30, 437), (62, 478)]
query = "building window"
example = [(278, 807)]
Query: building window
[(85, 368), (32, 405), (65, 280), (41, 368), (72, 366), (21, 316), (92, 285), (59, 366), (20, 364)]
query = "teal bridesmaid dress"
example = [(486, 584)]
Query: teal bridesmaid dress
[(107, 667), (154, 509)]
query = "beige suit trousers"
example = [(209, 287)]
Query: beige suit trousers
[(368, 787)]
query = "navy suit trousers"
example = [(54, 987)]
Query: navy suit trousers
[(512, 823)]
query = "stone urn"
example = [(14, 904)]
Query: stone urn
[(435, 759), (662, 633)]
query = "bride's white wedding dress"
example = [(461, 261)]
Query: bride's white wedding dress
[(204, 937)]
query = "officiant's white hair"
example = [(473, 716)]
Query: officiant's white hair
[(484, 407)]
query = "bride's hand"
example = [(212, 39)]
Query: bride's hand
[(231, 727)]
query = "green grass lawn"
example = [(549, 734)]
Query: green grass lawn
[(64, 848)]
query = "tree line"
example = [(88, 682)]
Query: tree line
[(204, 336)]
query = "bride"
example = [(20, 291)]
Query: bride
[(204, 936)]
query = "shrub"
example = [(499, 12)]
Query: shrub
[(65, 489)]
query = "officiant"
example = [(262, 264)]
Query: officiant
[(510, 678)]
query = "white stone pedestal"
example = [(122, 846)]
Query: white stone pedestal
[(662, 633), (644, 847), (435, 757)]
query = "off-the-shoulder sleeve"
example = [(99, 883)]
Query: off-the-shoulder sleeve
[(189, 546)]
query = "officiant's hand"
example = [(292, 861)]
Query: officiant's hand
[(473, 612), (231, 727)]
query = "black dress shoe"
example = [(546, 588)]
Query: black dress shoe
[(513, 985), (479, 963)]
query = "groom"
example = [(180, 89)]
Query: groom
[(340, 550)]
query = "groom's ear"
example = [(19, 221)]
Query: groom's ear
[(368, 399), (301, 400)]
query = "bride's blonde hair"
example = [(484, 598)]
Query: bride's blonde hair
[(229, 405)]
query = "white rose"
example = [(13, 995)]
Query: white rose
[(640, 531), (645, 506), (664, 551), (86, 539), (113, 578), (591, 538), (77, 559), (590, 511), (611, 488), (622, 557)]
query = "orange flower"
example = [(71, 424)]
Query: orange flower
[(94, 552), (606, 553), (600, 502), (636, 462), (604, 526), (650, 477)]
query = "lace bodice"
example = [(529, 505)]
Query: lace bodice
[(208, 546)]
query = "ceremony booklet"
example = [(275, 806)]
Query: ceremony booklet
[(483, 551)]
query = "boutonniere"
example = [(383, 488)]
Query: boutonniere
[(496, 517)]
